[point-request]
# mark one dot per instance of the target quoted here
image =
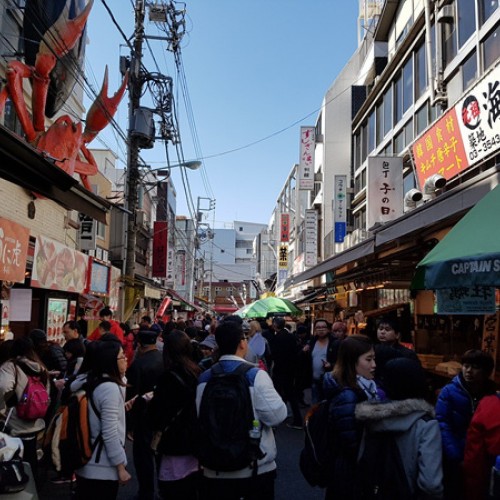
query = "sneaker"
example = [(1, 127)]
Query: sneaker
[(294, 426)]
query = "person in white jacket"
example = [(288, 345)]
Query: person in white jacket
[(106, 470), (269, 409)]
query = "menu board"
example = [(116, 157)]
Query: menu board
[(57, 312)]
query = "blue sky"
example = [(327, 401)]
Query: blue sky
[(253, 69)]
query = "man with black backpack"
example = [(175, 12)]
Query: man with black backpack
[(237, 408)]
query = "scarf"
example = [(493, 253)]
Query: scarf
[(369, 387)]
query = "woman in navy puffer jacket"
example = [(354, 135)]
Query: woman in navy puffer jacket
[(456, 404)]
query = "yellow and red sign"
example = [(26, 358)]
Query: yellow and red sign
[(14, 242), (285, 228)]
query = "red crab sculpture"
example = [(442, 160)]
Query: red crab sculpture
[(64, 140)]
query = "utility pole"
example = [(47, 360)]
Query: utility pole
[(135, 91)]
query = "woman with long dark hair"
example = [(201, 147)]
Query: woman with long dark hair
[(106, 470), (350, 382), (14, 373), (173, 418)]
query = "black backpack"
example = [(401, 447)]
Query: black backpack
[(317, 456), (381, 472), (225, 420)]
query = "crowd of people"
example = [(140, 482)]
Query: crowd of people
[(150, 383)]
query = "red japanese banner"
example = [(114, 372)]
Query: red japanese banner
[(14, 242), (440, 150), (285, 228), (160, 249)]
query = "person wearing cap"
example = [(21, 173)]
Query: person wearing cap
[(106, 314), (142, 377), (209, 352)]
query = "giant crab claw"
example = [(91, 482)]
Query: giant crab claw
[(59, 39), (103, 109)]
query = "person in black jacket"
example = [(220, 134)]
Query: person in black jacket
[(284, 353), (142, 377), (172, 416)]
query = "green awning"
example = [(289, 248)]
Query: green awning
[(469, 254)]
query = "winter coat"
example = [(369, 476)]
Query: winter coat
[(174, 406), (481, 447), (346, 436), (454, 409), (115, 329), (417, 438), (8, 373), (268, 407), (109, 400)]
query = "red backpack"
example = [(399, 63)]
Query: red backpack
[(35, 399)]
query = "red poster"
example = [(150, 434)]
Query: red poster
[(160, 249), (14, 242), (285, 228), (440, 150)]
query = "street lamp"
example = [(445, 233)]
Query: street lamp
[(165, 172)]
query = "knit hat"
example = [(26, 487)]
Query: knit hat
[(37, 336), (147, 337), (404, 378)]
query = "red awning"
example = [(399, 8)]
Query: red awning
[(176, 296), (224, 309)]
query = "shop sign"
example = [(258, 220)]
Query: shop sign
[(340, 208), (283, 257), (384, 197), (464, 300), (88, 232), (99, 278), (306, 165), (160, 249), (57, 314), (20, 304), (14, 242), (311, 243), (285, 228), (58, 267), (170, 278), (490, 335), (465, 135)]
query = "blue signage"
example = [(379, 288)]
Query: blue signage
[(340, 230)]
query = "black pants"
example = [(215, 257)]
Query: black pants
[(185, 489), (95, 488), (144, 461), (30, 456), (259, 488), (288, 393)]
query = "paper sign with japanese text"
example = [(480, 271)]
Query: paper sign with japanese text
[(285, 228), (14, 242), (384, 195), (465, 300), (306, 164), (311, 246)]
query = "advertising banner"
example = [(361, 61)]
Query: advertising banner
[(464, 135), (311, 231), (306, 165), (160, 249), (58, 267), (14, 242), (99, 279), (463, 300), (340, 207), (384, 191), (285, 228)]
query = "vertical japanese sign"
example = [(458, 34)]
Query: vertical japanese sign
[(311, 243), (285, 228), (306, 165), (384, 197), (14, 241), (88, 232), (283, 257), (170, 278), (340, 207), (159, 249), (180, 269), (490, 335)]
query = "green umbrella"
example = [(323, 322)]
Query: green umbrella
[(269, 306)]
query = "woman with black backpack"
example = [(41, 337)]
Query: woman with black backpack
[(172, 416)]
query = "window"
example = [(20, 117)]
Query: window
[(422, 118), (420, 72), (249, 251), (449, 40), (491, 48), (487, 8), (409, 132), (398, 100), (409, 182), (469, 70), (364, 143), (407, 84), (240, 229), (399, 142), (101, 230), (371, 132), (379, 124), (387, 111), (357, 150), (218, 291), (466, 20)]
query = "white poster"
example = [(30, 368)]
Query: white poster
[(306, 165), (384, 196), (311, 231), (20, 304)]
